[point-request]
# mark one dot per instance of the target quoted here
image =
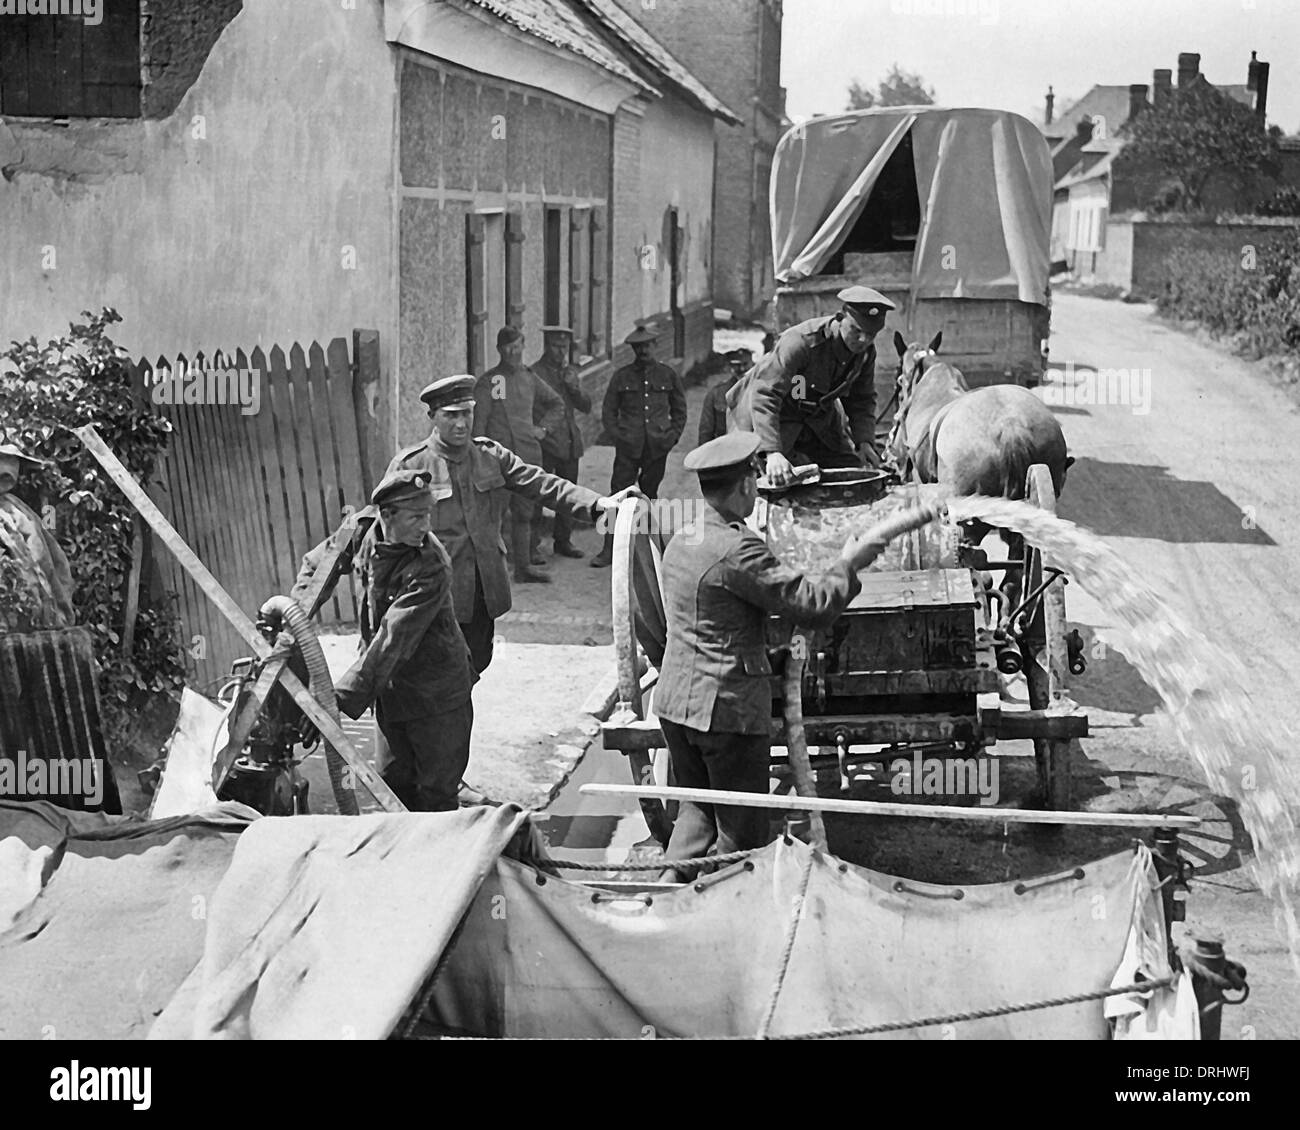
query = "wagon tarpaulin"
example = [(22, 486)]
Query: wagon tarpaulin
[(983, 177)]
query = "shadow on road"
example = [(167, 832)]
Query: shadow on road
[(1110, 682), (1137, 500)]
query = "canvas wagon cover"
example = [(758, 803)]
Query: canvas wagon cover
[(983, 178)]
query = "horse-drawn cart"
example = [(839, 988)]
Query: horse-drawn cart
[(931, 658)]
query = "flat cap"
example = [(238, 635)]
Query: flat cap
[(16, 452), (558, 330), (862, 300), (446, 391), (640, 334), (507, 334), (402, 486), (729, 450)]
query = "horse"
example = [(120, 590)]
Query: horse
[(974, 441)]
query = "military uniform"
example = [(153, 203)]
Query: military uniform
[(713, 413), (811, 398), (714, 696), (644, 413), (510, 404), (472, 487), (562, 444), (415, 668)]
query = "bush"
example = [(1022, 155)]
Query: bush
[(1259, 308), (46, 390), (1284, 202)]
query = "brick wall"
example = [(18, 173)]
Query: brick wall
[(1154, 243)]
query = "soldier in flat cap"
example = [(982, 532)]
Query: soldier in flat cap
[(517, 409), (562, 443), (473, 481), (40, 565), (415, 667), (713, 413), (813, 398), (714, 697), (644, 413)]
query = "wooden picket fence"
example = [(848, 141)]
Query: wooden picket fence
[(251, 493)]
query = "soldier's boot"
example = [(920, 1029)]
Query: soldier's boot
[(605, 558), (522, 558), (567, 549)]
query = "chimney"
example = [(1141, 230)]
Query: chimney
[(1160, 91), (1261, 92), (1189, 66), (1137, 98), (1252, 71), (1051, 101)]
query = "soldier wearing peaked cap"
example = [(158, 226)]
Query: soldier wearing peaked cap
[(473, 481), (714, 697), (813, 398), (415, 667), (713, 413), (562, 443), (644, 413)]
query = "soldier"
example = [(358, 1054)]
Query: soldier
[(562, 443), (813, 398), (713, 414), (644, 413), (38, 559), (517, 409), (714, 698), (416, 665), (472, 483)]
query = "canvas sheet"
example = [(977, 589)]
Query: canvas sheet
[(102, 918), (326, 927), (983, 177), (550, 960)]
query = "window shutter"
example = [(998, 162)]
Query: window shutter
[(515, 268), (578, 273), (597, 343), (476, 304)]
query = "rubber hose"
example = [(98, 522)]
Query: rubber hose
[(320, 685)]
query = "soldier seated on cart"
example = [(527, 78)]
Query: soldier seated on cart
[(813, 398)]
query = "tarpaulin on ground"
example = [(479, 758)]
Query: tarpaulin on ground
[(554, 960), (102, 918), (983, 179), (326, 927)]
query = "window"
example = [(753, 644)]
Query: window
[(485, 283), (60, 65), (552, 238)]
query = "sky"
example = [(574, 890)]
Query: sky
[(1005, 53)]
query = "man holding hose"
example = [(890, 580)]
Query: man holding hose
[(714, 697), (415, 666)]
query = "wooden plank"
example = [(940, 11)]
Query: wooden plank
[(68, 35), (13, 70), (267, 454), (42, 90), (221, 553), (345, 444), (988, 815), (288, 456), (330, 730), (321, 441)]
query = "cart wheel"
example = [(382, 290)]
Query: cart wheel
[(628, 660), (1045, 652)]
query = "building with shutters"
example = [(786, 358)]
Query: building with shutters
[(233, 174)]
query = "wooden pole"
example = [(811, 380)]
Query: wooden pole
[(988, 815), (805, 784), (330, 730), (131, 606)]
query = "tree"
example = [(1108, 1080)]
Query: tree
[(1194, 133), (897, 88)]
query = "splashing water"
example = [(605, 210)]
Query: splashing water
[(1204, 692)]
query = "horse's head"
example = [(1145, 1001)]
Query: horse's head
[(913, 360)]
